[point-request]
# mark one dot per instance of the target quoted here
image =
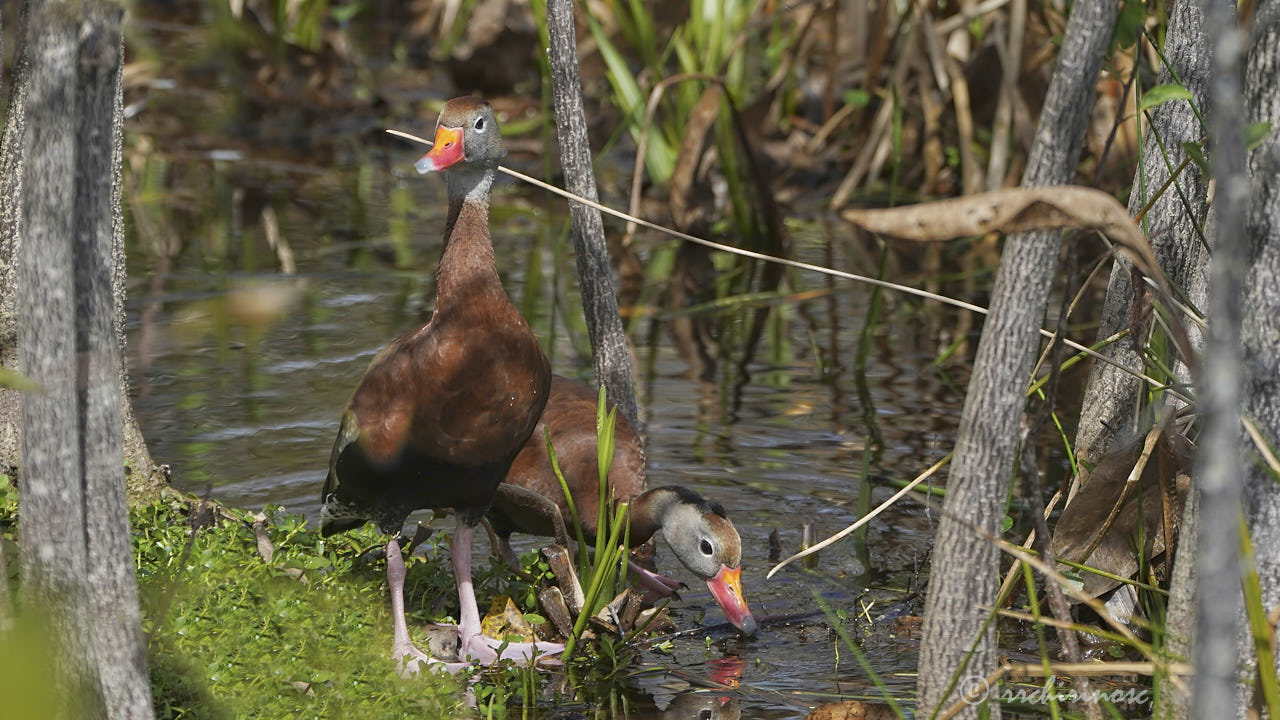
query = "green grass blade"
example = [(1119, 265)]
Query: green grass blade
[(659, 156), (568, 496), (1259, 626), (645, 37)]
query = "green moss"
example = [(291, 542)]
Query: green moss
[(305, 635)]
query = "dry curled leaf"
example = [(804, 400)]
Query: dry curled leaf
[(690, 200), (504, 620), (1020, 210), (566, 576), (551, 600), (303, 687), (266, 550), (1014, 210)]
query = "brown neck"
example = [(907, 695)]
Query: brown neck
[(466, 265), (647, 511)]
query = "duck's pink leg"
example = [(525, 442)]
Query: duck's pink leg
[(406, 655), (475, 645)]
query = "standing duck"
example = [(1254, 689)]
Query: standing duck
[(442, 411), (530, 500)]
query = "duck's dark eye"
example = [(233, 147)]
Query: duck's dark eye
[(706, 548), (704, 714), (479, 123)]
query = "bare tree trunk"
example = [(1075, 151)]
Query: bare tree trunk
[(11, 171), (1110, 413), (1260, 330), (610, 350), (963, 578), (8, 339), (1219, 466), (115, 634), (1180, 623), (1109, 416), (75, 548), (53, 567), (145, 478)]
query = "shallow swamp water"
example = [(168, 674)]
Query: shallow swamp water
[(264, 277)]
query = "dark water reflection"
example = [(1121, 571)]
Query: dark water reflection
[(241, 373)]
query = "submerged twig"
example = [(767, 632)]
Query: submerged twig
[(865, 518)]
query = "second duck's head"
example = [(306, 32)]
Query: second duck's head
[(705, 541), (467, 136)]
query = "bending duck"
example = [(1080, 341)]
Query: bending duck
[(531, 501)]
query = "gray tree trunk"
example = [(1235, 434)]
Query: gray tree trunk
[(610, 349), (74, 546), (145, 479), (1110, 412), (53, 567), (1219, 466), (1260, 329), (963, 574), (10, 225), (1180, 623), (115, 634), (6, 609), (1109, 415)]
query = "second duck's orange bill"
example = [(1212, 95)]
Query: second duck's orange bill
[(726, 588)]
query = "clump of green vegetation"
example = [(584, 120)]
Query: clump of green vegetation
[(256, 615), (275, 621), (306, 633)]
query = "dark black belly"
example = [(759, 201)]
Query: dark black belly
[(389, 492)]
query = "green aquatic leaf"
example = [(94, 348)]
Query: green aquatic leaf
[(1196, 154), (1161, 94), (856, 98), (1255, 134)]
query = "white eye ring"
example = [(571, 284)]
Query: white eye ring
[(706, 547), (479, 124)]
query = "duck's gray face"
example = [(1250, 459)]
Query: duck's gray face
[(708, 544), (467, 132)]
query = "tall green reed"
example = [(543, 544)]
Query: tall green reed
[(605, 572)]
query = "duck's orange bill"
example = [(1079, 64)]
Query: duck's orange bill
[(446, 151), (726, 588)]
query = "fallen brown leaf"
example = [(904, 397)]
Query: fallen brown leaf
[(1094, 531), (505, 620)]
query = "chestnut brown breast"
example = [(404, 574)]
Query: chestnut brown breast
[(441, 412)]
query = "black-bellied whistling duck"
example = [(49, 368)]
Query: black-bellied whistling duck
[(442, 411), (530, 500)]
